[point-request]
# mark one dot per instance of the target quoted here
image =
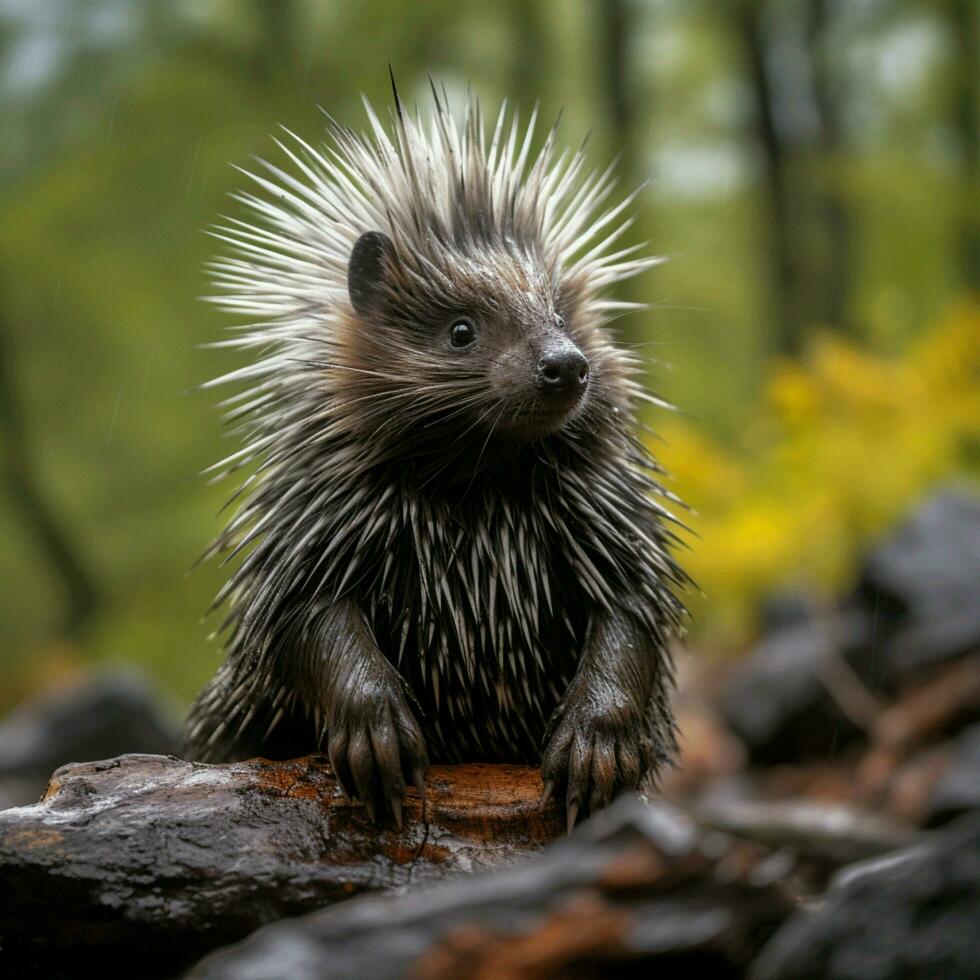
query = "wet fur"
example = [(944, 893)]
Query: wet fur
[(429, 568)]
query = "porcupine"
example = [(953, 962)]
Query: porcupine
[(449, 546)]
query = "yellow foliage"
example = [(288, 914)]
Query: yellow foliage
[(844, 443)]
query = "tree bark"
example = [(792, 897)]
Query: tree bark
[(781, 250), (829, 304), (618, 86), (966, 113), (530, 54)]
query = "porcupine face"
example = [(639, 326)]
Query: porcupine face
[(429, 292), (492, 352)]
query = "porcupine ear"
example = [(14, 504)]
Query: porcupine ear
[(366, 271)]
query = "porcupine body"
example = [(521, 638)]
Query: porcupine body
[(449, 545)]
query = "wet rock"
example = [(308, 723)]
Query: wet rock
[(783, 609), (958, 790), (924, 583), (102, 716), (810, 685), (907, 915), (909, 751), (636, 889), (780, 701), (162, 859), (708, 752), (911, 788), (820, 781), (835, 834), (935, 705)]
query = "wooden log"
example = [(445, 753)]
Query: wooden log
[(152, 857), (638, 890)]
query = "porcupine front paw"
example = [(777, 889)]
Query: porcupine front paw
[(374, 743), (599, 744)]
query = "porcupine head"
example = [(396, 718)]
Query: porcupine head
[(448, 544)]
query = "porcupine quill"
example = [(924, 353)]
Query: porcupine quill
[(449, 543)]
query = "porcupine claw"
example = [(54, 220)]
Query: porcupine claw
[(572, 815), (418, 781), (546, 794)]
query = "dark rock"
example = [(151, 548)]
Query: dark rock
[(933, 706), (924, 584), (909, 915), (637, 890), (162, 859), (779, 701), (784, 609), (958, 790), (802, 692), (834, 834), (105, 715)]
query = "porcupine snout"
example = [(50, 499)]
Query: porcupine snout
[(562, 371)]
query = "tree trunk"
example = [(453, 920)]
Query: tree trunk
[(829, 302), (966, 111), (24, 487), (618, 92), (530, 55), (781, 247)]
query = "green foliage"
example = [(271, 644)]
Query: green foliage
[(837, 449), (117, 159)]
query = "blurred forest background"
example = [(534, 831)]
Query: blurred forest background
[(813, 169)]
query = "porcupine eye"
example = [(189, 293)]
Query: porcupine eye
[(462, 333)]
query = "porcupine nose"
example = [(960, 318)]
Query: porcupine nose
[(563, 371)]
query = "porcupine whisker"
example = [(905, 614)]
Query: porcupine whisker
[(450, 460), (507, 353), (460, 408), (483, 449)]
